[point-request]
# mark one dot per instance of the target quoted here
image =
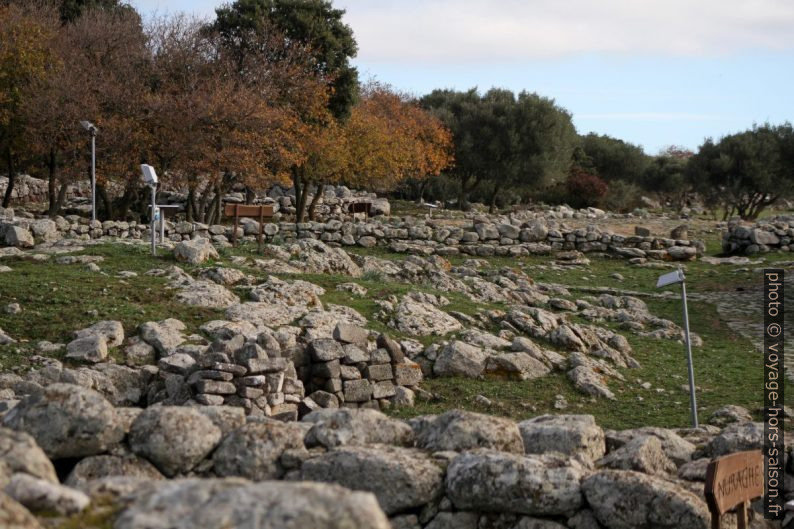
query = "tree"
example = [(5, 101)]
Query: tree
[(24, 54), (615, 159), (71, 10), (507, 141), (314, 24), (666, 174), (745, 172)]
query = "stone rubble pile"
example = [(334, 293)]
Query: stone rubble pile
[(775, 234), (201, 467)]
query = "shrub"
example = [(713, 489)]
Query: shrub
[(584, 189), (622, 197)]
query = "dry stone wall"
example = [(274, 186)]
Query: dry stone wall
[(776, 234), (486, 236)]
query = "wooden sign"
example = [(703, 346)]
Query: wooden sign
[(731, 482), (360, 207), (242, 210)]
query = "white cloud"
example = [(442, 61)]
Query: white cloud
[(496, 30)]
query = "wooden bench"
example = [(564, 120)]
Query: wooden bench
[(360, 207), (732, 482), (239, 211)]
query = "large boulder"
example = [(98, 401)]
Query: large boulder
[(485, 480), (20, 453), (423, 319), (174, 438), (463, 430), (112, 331), (231, 502), (624, 499), (573, 435), (401, 478), (460, 359), (165, 336), (15, 516), (41, 495), (195, 251), (18, 237), (675, 447), (207, 294), (104, 466), (253, 451), (345, 426), (643, 454), (67, 421), (737, 437), (515, 366)]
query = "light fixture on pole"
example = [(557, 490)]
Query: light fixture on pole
[(91, 128), (150, 179), (672, 278)]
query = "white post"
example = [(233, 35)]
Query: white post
[(153, 226), (692, 398), (93, 175)]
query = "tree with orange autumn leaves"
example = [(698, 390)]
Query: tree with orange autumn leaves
[(175, 94), (387, 139)]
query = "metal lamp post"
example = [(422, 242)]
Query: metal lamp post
[(150, 179), (91, 128), (671, 279)]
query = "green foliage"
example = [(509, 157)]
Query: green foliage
[(71, 10), (313, 23), (508, 141), (622, 196), (745, 172), (614, 159)]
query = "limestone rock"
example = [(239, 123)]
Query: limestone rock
[(423, 319), (195, 251), (253, 451), (67, 421), (401, 478), (737, 437), (15, 516), (624, 499), (20, 453), (462, 430), (165, 336), (174, 438), (515, 366), (232, 502), (643, 454), (460, 359), (103, 466), (90, 348), (41, 495), (344, 426), (485, 480), (574, 435)]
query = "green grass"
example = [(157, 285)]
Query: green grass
[(58, 299)]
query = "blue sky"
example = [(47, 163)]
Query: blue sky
[(652, 72)]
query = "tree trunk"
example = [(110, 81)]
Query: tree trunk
[(316, 200), (496, 189), (249, 195), (60, 200), (106, 202), (52, 195), (191, 200), (11, 178), (301, 193)]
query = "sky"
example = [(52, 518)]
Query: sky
[(652, 72)]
